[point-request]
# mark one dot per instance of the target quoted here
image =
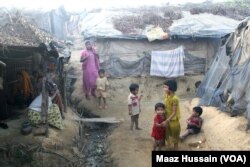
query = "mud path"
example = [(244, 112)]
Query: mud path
[(219, 132)]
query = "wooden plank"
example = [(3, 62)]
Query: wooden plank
[(99, 120)]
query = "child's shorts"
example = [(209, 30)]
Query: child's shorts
[(101, 93), (194, 128)]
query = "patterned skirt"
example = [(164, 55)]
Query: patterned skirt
[(54, 117)]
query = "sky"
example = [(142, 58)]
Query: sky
[(79, 5)]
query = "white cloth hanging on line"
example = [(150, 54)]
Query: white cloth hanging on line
[(167, 63)]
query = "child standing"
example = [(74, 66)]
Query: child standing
[(194, 123), (158, 130), (172, 113), (101, 88), (134, 106)]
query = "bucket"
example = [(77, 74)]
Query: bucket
[(26, 128)]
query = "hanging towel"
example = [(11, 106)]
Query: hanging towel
[(167, 63)]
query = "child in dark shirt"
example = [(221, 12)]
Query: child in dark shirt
[(194, 123)]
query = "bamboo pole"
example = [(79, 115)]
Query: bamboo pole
[(44, 107), (65, 91), (45, 98)]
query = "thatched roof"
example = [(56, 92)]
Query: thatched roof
[(15, 30)]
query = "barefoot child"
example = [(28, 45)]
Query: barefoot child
[(101, 88), (134, 106), (172, 113), (158, 130), (194, 123)]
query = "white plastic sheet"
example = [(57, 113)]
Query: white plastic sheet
[(203, 25)]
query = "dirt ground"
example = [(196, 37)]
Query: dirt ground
[(55, 148), (219, 132), (126, 148)]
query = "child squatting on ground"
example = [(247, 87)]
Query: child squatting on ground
[(194, 123), (101, 88), (134, 108), (158, 130)]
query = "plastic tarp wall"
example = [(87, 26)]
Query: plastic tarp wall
[(74, 24), (52, 21), (134, 49), (59, 18), (226, 84), (123, 58), (213, 77), (117, 67), (203, 25)]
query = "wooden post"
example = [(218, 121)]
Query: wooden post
[(65, 91), (45, 97), (44, 107)]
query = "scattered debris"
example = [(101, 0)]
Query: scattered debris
[(197, 144)]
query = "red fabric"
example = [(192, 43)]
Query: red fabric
[(194, 120), (134, 100), (158, 132)]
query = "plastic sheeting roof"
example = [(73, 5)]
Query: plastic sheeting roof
[(203, 25), (100, 25)]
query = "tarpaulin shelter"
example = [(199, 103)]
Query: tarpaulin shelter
[(226, 85), (121, 53), (52, 21)]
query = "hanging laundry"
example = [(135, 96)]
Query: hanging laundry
[(167, 63)]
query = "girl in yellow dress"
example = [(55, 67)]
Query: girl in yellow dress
[(172, 113)]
